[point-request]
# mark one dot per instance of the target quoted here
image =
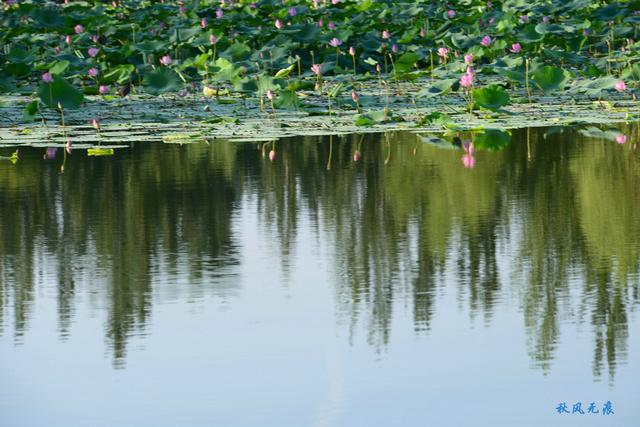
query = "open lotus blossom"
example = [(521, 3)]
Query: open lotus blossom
[(335, 42), (331, 25), (352, 51), (451, 13), (515, 48), (272, 155), (203, 23), (46, 77), (93, 72), (386, 34), (213, 39), (103, 90), (443, 52), (486, 41), (292, 11), (316, 69), (621, 138), (466, 81), (620, 86), (165, 60), (78, 29), (278, 24), (93, 52), (468, 59)]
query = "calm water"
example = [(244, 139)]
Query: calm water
[(204, 285)]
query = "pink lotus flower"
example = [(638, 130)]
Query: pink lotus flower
[(316, 69), (292, 11), (470, 71), (270, 95), (57, 49), (278, 24), (394, 48), (378, 68), (443, 52), (47, 78), (621, 138), (203, 23), (386, 34), (356, 155), (335, 1), (213, 39), (320, 22), (515, 48), (94, 38), (166, 60), (93, 72), (272, 155), (466, 81), (620, 86), (67, 40), (219, 13), (486, 41), (422, 32), (546, 19), (451, 13), (524, 19), (50, 153), (103, 90), (95, 124), (352, 51), (468, 59), (78, 29), (331, 25), (335, 42), (68, 147), (93, 52), (354, 96)]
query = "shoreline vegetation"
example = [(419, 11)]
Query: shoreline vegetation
[(100, 73)]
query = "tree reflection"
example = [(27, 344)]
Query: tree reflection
[(547, 223)]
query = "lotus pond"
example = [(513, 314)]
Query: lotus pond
[(342, 280)]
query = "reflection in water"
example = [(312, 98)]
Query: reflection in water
[(547, 224)]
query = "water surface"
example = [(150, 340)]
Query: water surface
[(206, 285)]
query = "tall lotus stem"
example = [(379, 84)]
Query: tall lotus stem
[(526, 78)]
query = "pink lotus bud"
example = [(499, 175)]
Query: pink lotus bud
[(94, 39), (620, 86), (78, 29), (95, 124), (203, 23), (466, 81), (278, 24), (272, 155), (546, 19), (443, 52), (422, 32), (292, 11), (57, 49), (67, 39), (451, 13), (103, 90), (93, 52), (378, 68), (316, 69), (515, 48), (356, 155), (386, 34), (621, 138), (93, 72), (354, 96), (468, 59), (468, 161), (331, 25), (219, 13), (352, 51), (270, 95), (213, 39), (46, 77), (486, 41), (524, 19), (68, 146), (165, 60), (394, 48)]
